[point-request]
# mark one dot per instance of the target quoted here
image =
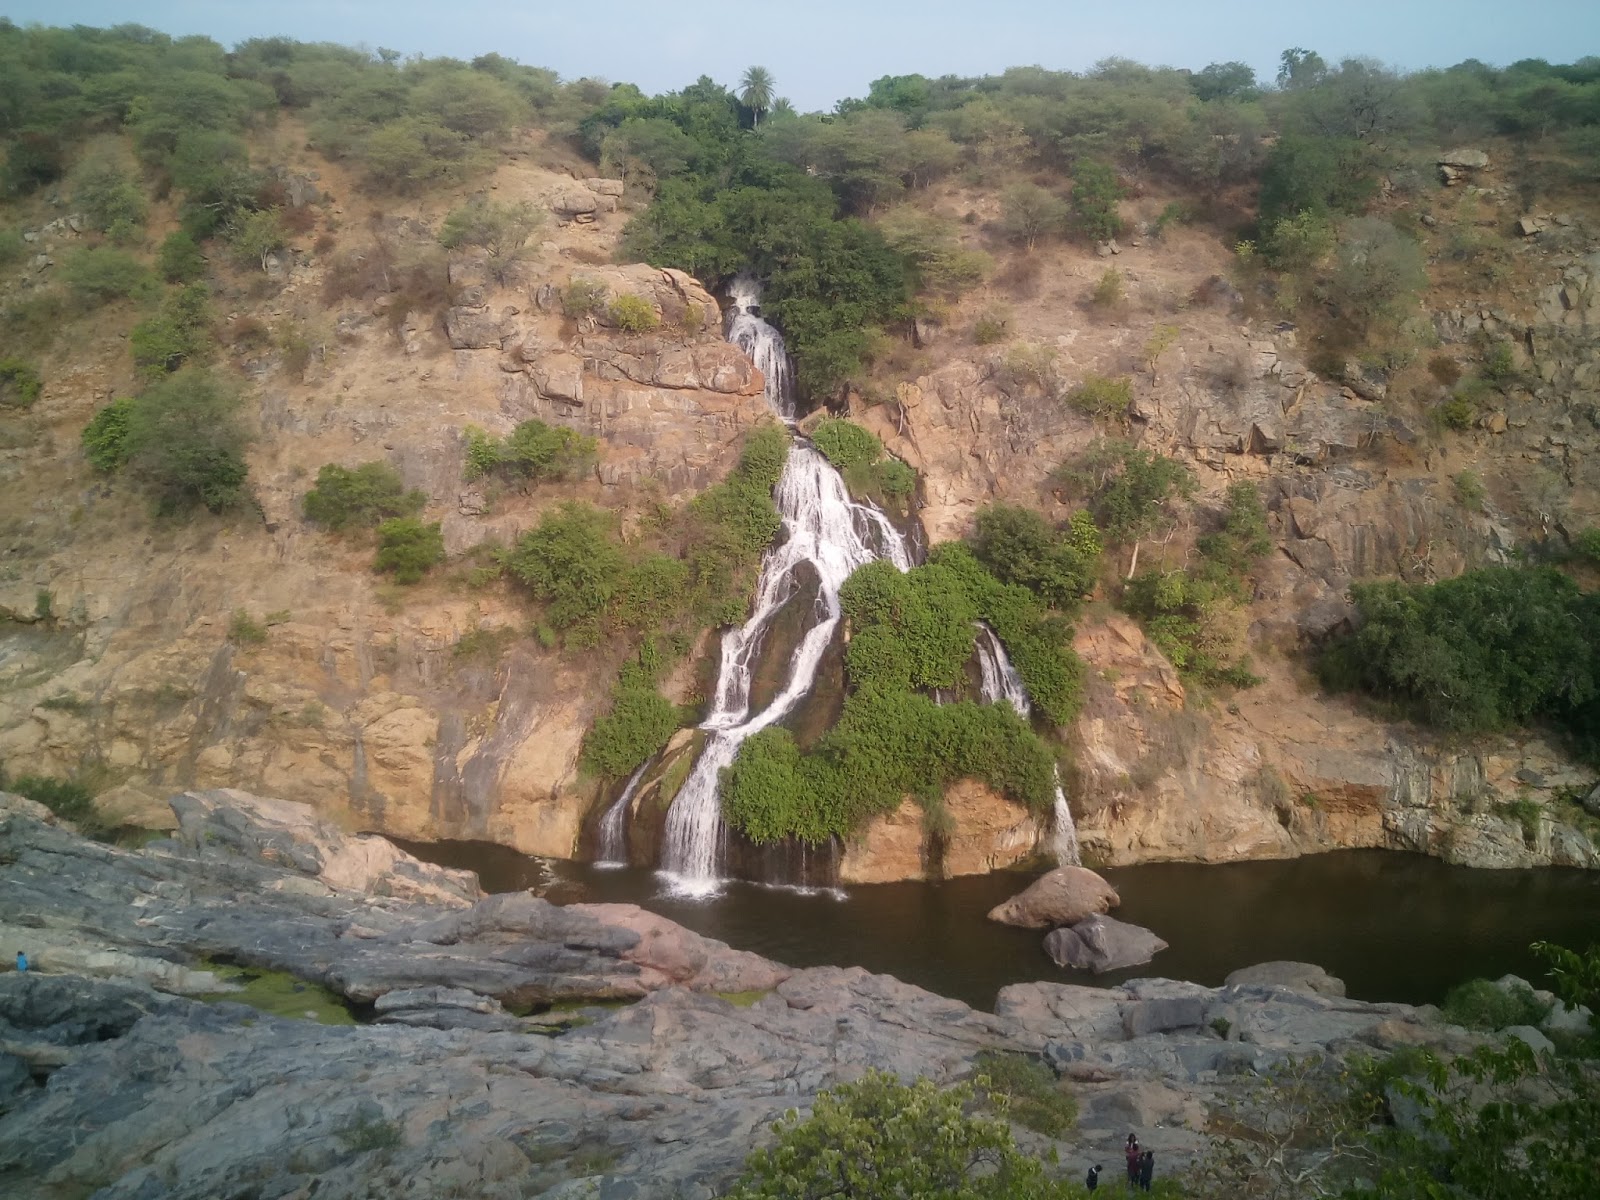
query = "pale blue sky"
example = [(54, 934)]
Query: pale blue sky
[(823, 50)]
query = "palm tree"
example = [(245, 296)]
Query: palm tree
[(755, 91)]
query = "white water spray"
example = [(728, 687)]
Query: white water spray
[(613, 826), (999, 681), (822, 527)]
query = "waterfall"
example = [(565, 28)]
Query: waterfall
[(613, 848), (822, 527), (999, 681), (761, 342)]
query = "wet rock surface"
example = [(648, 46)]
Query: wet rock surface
[(497, 1061)]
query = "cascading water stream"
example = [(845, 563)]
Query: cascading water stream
[(822, 527), (613, 848), (998, 680)]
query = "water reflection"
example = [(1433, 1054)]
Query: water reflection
[(1393, 926)]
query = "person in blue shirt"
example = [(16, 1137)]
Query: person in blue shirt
[(22, 961)]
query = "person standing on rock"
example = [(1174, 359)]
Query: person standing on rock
[(22, 961), (1147, 1169), (1093, 1180), (1131, 1152)]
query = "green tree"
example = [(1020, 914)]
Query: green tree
[(105, 437), (186, 442), (1095, 192), (1378, 273), (1030, 212), (1129, 490), (20, 384), (179, 333), (363, 496), (99, 275), (501, 231), (180, 259), (1020, 547), (408, 548), (756, 90), (256, 236)]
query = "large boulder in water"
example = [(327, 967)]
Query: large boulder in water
[(1102, 944), (1064, 896), (1296, 976)]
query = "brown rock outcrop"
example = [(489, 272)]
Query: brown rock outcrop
[(1064, 896)]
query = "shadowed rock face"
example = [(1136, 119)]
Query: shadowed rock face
[(151, 1093)]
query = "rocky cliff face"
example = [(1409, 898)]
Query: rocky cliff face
[(360, 699), (1357, 485), (364, 699)]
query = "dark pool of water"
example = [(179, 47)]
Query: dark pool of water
[(1393, 926)]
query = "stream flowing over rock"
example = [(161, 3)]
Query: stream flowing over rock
[(116, 1078)]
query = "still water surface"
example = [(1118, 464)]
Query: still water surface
[(1393, 926)]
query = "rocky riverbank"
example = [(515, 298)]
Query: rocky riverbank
[(505, 1046)]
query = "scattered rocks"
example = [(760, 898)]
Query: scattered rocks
[(1064, 896), (1102, 944)]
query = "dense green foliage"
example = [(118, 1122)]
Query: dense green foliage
[(533, 453), (1188, 613), (180, 259), (883, 747), (726, 201), (879, 1139), (1018, 546), (101, 274), (858, 455), (360, 497), (633, 314), (639, 723), (105, 437), (1032, 1095), (20, 384), (181, 437), (908, 631), (696, 568), (1491, 649), (179, 333), (1480, 1004), (408, 548), (1039, 643)]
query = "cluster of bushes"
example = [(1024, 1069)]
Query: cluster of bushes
[(1018, 546), (912, 633), (695, 567), (533, 453), (20, 384), (1491, 649), (181, 436), (346, 498), (639, 724), (1190, 614), (374, 497), (857, 454), (884, 746)]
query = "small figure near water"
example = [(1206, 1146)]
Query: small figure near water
[(1131, 1153), (22, 961), (1147, 1168), (1093, 1180)]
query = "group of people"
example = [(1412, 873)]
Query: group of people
[(1141, 1167)]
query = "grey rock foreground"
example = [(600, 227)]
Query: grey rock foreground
[(114, 1083)]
